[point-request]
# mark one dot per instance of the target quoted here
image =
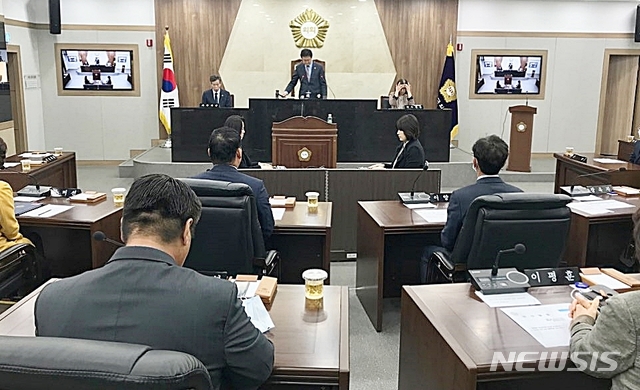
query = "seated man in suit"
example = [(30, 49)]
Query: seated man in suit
[(313, 84), (226, 154), (216, 95), (489, 156), (143, 295)]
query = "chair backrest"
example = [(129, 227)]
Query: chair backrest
[(31, 363), (384, 102), (233, 100), (228, 236), (495, 222)]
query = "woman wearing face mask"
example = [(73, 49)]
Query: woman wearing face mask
[(409, 154), (402, 96)]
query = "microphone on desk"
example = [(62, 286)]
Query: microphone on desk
[(100, 236), (34, 190), (593, 189), (500, 281), (517, 249), (412, 197)]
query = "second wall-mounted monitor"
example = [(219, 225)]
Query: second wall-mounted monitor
[(504, 74)]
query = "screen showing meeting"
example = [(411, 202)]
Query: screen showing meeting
[(104, 70)]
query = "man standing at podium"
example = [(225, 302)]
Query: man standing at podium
[(313, 84), (216, 96)]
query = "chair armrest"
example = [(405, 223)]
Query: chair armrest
[(11, 256), (443, 259), (269, 263)]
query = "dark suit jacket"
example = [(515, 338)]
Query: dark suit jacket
[(317, 84), (229, 173), (411, 157), (224, 98), (141, 296), (461, 200), (635, 156)]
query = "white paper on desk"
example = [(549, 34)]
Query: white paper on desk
[(278, 213), (247, 289), (614, 204), (30, 155), (506, 300), (609, 161), (46, 211), (414, 206), (11, 165), (548, 324), (258, 314), (590, 208), (587, 198), (435, 215), (27, 199), (607, 280)]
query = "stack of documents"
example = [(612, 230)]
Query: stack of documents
[(602, 207)]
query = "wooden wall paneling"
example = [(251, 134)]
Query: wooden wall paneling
[(618, 110), (417, 33), (199, 32)]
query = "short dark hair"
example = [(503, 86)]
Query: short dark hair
[(306, 53), (214, 77), (235, 122), (158, 205), (409, 125), (3, 152), (491, 153), (223, 143), (402, 81)]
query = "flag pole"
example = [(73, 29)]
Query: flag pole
[(167, 143)]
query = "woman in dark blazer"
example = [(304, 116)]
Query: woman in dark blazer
[(236, 122), (409, 154)]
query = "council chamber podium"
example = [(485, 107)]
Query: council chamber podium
[(304, 142)]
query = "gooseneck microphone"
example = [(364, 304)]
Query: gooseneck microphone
[(424, 168), (100, 236), (593, 174), (518, 249)]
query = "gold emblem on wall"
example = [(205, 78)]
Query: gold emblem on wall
[(304, 154), (309, 29)]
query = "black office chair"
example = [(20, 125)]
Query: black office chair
[(38, 363), (20, 271), (228, 238), (494, 222), (384, 102)]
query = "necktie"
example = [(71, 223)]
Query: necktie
[(398, 156), (308, 72), (215, 97)]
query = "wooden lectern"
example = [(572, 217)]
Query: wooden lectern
[(520, 139), (302, 142)]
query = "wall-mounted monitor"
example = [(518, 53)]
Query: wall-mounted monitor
[(94, 69), (508, 74)]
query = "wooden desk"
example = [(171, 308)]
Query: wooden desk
[(303, 240), (448, 338), (391, 239), (599, 240), (60, 173), (312, 348), (67, 237), (568, 170)]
